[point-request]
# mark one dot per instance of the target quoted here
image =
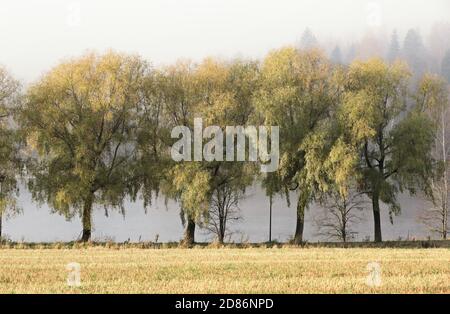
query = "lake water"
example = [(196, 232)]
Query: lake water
[(38, 224)]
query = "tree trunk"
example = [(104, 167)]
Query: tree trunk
[(376, 216), (344, 230), (221, 234), (444, 224), (446, 187), (87, 218), (1, 218), (298, 237), (189, 234)]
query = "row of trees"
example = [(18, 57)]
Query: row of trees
[(96, 130)]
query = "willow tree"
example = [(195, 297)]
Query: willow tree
[(9, 149), (298, 91), (152, 140), (182, 181), (81, 120), (229, 103), (392, 145), (220, 94), (330, 166)]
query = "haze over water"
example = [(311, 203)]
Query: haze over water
[(37, 224)]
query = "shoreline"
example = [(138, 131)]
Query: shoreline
[(419, 244)]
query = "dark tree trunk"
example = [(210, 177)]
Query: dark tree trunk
[(222, 227), (189, 234), (444, 224), (444, 229), (221, 237), (298, 237), (87, 218), (376, 216), (344, 228)]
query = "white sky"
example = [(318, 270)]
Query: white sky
[(35, 35)]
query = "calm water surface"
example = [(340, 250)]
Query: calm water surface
[(38, 224)]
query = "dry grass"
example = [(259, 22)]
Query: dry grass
[(225, 270)]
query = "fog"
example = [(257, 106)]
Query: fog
[(35, 35), (162, 222)]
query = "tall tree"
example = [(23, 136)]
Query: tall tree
[(330, 165), (445, 67), (152, 140), (432, 98), (415, 54), (220, 93), (297, 93), (393, 145), (336, 55), (230, 105), (308, 40), (351, 54), (81, 118), (438, 43), (394, 48), (180, 98), (9, 147)]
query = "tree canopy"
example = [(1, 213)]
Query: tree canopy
[(298, 92), (103, 128), (392, 145), (81, 118)]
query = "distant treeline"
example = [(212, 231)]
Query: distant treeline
[(96, 130), (429, 54)]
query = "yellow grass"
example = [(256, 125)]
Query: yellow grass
[(225, 270)]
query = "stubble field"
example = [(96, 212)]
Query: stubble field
[(227, 270)]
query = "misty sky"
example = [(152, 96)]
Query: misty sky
[(35, 35)]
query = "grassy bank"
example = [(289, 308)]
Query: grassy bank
[(170, 245), (225, 270)]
